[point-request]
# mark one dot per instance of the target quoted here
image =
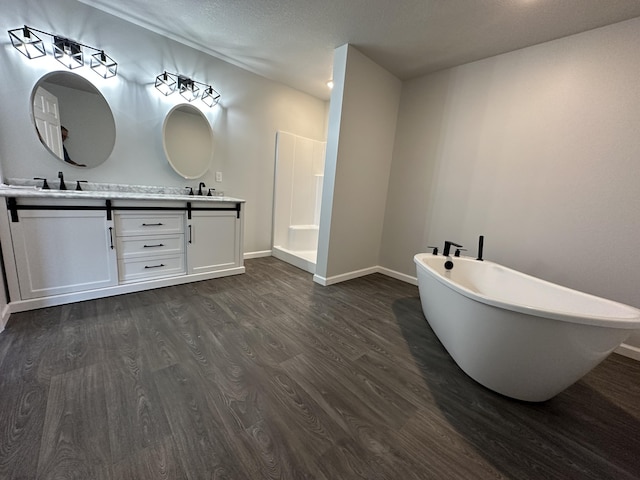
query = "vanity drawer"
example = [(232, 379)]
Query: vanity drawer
[(139, 269), (150, 245), (128, 224)]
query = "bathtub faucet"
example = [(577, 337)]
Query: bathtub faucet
[(447, 247)]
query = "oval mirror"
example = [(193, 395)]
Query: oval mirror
[(72, 119), (187, 138)]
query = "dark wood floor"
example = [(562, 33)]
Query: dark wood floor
[(267, 375)]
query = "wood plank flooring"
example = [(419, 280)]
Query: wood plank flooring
[(267, 375)]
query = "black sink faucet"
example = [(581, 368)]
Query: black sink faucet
[(447, 247), (200, 188), (62, 185), (45, 185), (480, 247)]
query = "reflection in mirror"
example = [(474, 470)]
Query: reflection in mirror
[(72, 119), (188, 141)]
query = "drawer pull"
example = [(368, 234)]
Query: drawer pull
[(152, 224), (154, 266), (151, 246)]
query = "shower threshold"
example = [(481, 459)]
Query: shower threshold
[(304, 259)]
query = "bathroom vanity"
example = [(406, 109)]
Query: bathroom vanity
[(62, 246)]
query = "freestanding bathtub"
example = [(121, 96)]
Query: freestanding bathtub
[(518, 335)]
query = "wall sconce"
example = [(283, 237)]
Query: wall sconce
[(27, 43), (187, 88), (67, 52), (210, 97), (167, 83)]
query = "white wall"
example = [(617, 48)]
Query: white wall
[(538, 150), (252, 110), (362, 124)]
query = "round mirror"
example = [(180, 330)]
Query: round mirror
[(72, 119), (188, 141)]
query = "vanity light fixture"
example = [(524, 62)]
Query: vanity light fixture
[(167, 83), (66, 51)]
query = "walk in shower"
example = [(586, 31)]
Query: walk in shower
[(297, 198)]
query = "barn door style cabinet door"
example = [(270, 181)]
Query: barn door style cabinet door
[(63, 251), (214, 240)]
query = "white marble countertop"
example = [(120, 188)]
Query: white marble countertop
[(26, 189)]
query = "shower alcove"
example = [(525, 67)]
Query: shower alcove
[(297, 197)]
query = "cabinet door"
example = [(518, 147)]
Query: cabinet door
[(213, 241), (61, 252)]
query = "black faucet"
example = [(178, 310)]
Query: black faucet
[(78, 187), (447, 247), (45, 185), (200, 188), (480, 247), (62, 185)]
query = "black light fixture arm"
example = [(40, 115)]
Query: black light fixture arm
[(184, 78), (27, 29)]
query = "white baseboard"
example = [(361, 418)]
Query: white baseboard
[(4, 317), (320, 280), (398, 276), (263, 253), (343, 277), (628, 351), (361, 273)]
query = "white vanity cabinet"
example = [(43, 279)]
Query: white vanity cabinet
[(62, 247), (213, 241), (62, 251)]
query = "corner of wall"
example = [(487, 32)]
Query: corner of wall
[(358, 163), (628, 351), (4, 317)]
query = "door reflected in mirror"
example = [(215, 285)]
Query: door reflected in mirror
[(72, 119), (187, 138)]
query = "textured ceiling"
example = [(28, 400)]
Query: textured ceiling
[(292, 41)]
